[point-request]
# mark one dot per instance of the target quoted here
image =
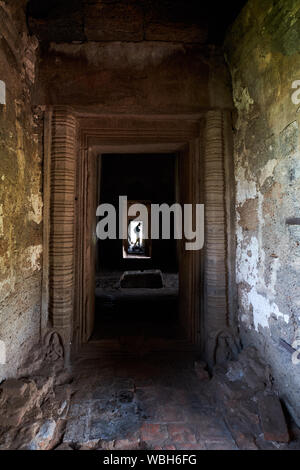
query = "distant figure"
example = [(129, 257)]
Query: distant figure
[(137, 232)]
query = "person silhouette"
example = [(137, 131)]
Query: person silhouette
[(137, 232)]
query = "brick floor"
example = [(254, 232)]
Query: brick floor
[(153, 432), (181, 434), (141, 403), (146, 403)]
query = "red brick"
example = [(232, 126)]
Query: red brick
[(181, 433), (220, 444), (127, 444), (170, 414), (272, 419), (245, 442), (167, 447), (199, 446), (201, 373), (153, 432)]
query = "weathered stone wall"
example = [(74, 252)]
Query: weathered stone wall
[(263, 51), (130, 56), (20, 192), (128, 77), (118, 68)]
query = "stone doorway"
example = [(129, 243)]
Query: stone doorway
[(136, 289), (72, 142)]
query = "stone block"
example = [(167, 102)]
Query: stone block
[(180, 433), (151, 279), (153, 432), (45, 437), (200, 370), (177, 32), (272, 419), (17, 398), (113, 22)]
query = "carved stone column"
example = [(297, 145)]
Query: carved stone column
[(62, 212), (216, 311)]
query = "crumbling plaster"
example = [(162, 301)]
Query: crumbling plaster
[(20, 193), (263, 53)]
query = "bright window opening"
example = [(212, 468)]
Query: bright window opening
[(136, 242)]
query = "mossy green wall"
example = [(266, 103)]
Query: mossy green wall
[(20, 193)]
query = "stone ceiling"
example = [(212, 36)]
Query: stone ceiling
[(190, 21)]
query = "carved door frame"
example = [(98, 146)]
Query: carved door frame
[(72, 143)]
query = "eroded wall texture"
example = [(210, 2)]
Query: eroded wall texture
[(130, 57), (20, 193), (263, 52)]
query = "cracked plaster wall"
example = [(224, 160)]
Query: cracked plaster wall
[(263, 53), (20, 194)]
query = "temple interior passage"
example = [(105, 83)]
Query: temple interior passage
[(144, 302), (149, 225)]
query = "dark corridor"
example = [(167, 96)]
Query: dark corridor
[(137, 314)]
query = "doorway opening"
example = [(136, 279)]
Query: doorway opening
[(137, 281), (71, 203), (138, 244)]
